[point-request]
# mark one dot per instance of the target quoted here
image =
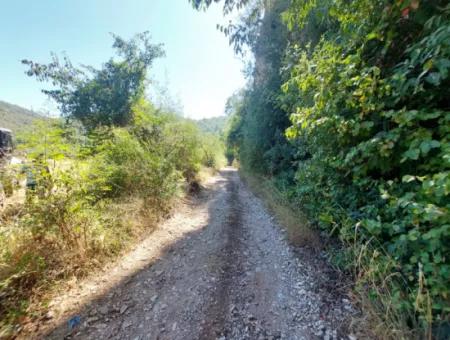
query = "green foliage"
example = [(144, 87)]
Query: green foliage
[(213, 151), (367, 151), (94, 183), (101, 97), (256, 131), (376, 124), (213, 144), (51, 139), (214, 125), (228, 6)]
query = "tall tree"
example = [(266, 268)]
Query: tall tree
[(100, 97), (258, 133)]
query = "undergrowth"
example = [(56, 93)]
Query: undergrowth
[(379, 318), (300, 232), (347, 112), (90, 201)]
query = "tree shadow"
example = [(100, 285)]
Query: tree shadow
[(105, 313)]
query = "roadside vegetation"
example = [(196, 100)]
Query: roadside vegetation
[(343, 127), (346, 112), (96, 179)]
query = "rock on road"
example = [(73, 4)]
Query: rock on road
[(225, 271)]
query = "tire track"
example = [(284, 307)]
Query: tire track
[(225, 272), (230, 265)]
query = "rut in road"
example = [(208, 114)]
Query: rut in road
[(224, 270), (230, 266)]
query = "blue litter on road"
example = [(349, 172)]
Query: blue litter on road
[(74, 322)]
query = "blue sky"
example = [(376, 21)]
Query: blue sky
[(200, 68)]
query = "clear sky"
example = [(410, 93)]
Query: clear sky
[(200, 67)]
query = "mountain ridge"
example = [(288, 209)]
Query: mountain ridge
[(15, 117)]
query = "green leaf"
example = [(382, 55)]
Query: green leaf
[(411, 154), (428, 65), (371, 36), (426, 146), (434, 78), (408, 178)]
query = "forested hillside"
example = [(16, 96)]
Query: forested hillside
[(16, 118), (347, 112), (214, 125)]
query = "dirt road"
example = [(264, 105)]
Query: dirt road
[(220, 268)]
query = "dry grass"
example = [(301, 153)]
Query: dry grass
[(206, 173), (379, 319), (299, 230), (32, 266), (378, 290)]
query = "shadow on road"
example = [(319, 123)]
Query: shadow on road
[(107, 313)]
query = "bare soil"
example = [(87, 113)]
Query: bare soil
[(220, 268)]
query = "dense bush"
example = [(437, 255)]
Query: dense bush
[(375, 121), (95, 182), (367, 150), (93, 195)]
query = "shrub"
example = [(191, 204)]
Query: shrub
[(94, 194), (366, 155), (375, 124)]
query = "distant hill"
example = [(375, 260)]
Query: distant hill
[(215, 125), (16, 118)]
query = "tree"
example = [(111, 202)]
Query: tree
[(365, 84), (100, 97), (258, 133), (228, 5)]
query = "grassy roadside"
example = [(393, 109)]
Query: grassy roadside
[(35, 268), (377, 320), (38, 269), (299, 230)]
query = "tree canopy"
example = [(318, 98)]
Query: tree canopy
[(346, 110), (100, 97)]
